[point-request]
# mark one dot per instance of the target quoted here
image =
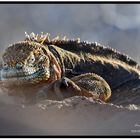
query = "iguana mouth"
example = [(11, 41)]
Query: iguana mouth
[(20, 77)]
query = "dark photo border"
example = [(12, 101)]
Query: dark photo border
[(69, 2)]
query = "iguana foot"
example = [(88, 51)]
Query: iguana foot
[(61, 89)]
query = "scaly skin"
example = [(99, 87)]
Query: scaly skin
[(66, 66)]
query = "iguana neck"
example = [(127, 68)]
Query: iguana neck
[(67, 60)]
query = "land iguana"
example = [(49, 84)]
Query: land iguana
[(62, 68)]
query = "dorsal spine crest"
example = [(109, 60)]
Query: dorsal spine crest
[(84, 46)]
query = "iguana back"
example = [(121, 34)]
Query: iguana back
[(78, 47)]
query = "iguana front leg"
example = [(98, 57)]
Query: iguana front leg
[(60, 89), (92, 85), (89, 85)]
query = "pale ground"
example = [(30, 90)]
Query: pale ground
[(73, 116)]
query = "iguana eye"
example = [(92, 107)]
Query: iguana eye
[(31, 59)]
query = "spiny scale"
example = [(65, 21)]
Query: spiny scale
[(45, 38), (84, 46)]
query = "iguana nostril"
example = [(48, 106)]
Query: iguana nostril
[(5, 66), (19, 65)]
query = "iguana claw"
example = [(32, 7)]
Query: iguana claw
[(64, 82)]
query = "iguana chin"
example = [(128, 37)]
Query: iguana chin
[(65, 68)]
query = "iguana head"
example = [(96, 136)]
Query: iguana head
[(28, 62)]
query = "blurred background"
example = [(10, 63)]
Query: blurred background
[(116, 25)]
